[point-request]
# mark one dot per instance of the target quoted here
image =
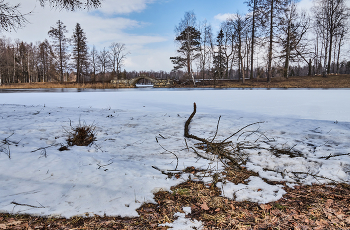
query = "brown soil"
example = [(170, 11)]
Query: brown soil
[(331, 81)]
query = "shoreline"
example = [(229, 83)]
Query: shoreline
[(317, 82)]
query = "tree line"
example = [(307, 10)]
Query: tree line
[(63, 59), (274, 39), (55, 61)]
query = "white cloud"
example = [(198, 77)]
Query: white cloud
[(149, 59), (124, 7), (223, 17), (102, 27), (305, 5)]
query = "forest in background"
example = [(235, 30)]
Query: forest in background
[(275, 39)]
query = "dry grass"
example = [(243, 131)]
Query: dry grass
[(331, 81), (46, 85), (82, 135)]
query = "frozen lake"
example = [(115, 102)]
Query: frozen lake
[(331, 104)]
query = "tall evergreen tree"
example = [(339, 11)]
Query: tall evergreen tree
[(189, 40), (239, 25), (219, 58), (60, 44), (80, 50)]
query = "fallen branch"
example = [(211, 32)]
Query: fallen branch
[(177, 159), (7, 143), (28, 205), (43, 149), (335, 155), (217, 148)]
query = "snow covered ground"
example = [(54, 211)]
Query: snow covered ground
[(114, 176)]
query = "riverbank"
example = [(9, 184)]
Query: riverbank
[(331, 81)]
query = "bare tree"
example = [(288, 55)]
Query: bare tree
[(93, 60), (104, 61), (331, 16), (10, 17), (339, 43), (271, 9), (206, 41), (293, 27), (228, 45), (72, 4), (254, 8), (117, 56), (46, 56)]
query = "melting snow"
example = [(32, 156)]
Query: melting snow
[(114, 176)]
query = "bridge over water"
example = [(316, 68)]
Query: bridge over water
[(157, 83)]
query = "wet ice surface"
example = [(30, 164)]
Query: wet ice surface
[(114, 176)]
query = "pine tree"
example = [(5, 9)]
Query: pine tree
[(60, 44), (219, 57), (239, 25), (189, 40), (80, 50)]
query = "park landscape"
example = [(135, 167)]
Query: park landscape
[(226, 146)]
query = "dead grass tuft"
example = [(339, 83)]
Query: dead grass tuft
[(82, 135)]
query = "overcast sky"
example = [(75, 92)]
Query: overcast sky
[(145, 26)]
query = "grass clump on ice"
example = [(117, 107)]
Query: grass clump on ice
[(81, 135)]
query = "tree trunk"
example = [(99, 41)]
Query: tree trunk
[(286, 65), (338, 57), (14, 65), (269, 68), (310, 67), (253, 40)]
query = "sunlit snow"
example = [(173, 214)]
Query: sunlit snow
[(114, 176)]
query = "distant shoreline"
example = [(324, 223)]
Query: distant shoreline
[(331, 81)]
